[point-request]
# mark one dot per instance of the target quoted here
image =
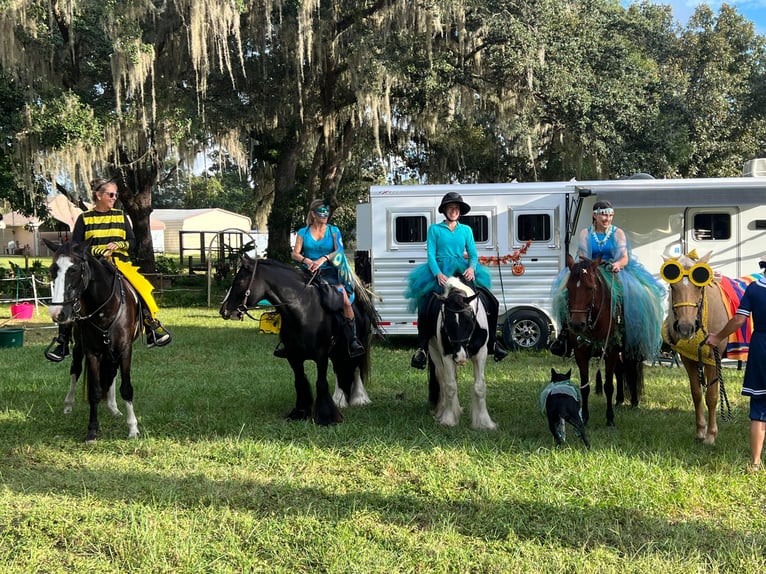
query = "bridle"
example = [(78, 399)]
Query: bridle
[(242, 307), (76, 301), (590, 319), (699, 304), (466, 310)]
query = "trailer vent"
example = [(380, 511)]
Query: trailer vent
[(755, 167)]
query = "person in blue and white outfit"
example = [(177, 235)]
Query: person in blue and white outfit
[(319, 249), (753, 303), (447, 244), (639, 293)]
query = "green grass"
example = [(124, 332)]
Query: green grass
[(220, 482)]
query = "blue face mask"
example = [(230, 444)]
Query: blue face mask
[(322, 211)]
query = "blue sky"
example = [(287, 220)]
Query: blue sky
[(753, 10)]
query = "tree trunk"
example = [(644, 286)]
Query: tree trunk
[(135, 188), (285, 195)]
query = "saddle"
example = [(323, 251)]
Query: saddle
[(330, 298)]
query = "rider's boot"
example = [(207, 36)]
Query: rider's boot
[(58, 348), (279, 351), (355, 347), (420, 358), (560, 347), (156, 334)]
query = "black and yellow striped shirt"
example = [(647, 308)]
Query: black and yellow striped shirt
[(103, 228)]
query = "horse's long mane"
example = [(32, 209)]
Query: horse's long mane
[(364, 297)]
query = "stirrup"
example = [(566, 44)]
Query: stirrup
[(279, 351), (57, 350), (500, 352), (355, 348)]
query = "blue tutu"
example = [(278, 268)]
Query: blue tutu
[(421, 282)]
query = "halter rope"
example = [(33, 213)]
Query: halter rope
[(725, 416)]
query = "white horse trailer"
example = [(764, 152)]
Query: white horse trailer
[(661, 217)]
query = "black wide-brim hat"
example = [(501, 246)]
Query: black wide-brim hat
[(454, 197)]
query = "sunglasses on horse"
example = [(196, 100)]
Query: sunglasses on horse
[(700, 274)]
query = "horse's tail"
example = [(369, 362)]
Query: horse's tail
[(365, 300)]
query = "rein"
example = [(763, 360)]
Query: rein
[(725, 415), (467, 310)]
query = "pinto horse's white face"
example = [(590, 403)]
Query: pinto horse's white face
[(60, 292)]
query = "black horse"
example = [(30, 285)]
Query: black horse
[(309, 331), (107, 316)]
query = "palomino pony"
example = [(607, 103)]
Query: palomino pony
[(597, 330), (309, 333), (107, 316), (461, 333), (697, 306)]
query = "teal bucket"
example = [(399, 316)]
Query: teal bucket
[(11, 338)]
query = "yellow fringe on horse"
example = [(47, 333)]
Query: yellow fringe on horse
[(690, 347), (141, 284)]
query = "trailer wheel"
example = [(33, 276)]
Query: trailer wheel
[(526, 330)]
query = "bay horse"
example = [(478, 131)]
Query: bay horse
[(106, 313), (460, 333), (597, 329), (697, 306), (309, 333)]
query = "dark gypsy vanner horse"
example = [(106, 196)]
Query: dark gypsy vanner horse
[(597, 330), (309, 332), (459, 332), (699, 304), (106, 313)]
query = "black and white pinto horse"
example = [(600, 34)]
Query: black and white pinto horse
[(309, 333), (460, 333), (106, 314)]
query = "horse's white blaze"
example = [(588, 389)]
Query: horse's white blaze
[(58, 289)]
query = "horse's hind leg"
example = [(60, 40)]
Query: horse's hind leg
[(126, 392), (74, 375), (609, 392), (111, 399), (69, 399)]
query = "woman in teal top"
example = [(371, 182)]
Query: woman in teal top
[(447, 243), (640, 294), (319, 249)]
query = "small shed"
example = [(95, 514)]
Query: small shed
[(197, 225)]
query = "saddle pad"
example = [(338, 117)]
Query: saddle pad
[(739, 341)]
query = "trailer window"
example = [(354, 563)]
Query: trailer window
[(411, 229), (534, 227), (712, 226), (480, 226)]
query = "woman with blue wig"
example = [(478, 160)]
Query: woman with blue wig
[(638, 292), (447, 244)]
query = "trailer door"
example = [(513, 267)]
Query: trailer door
[(715, 229)]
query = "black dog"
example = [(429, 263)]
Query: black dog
[(560, 401)]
